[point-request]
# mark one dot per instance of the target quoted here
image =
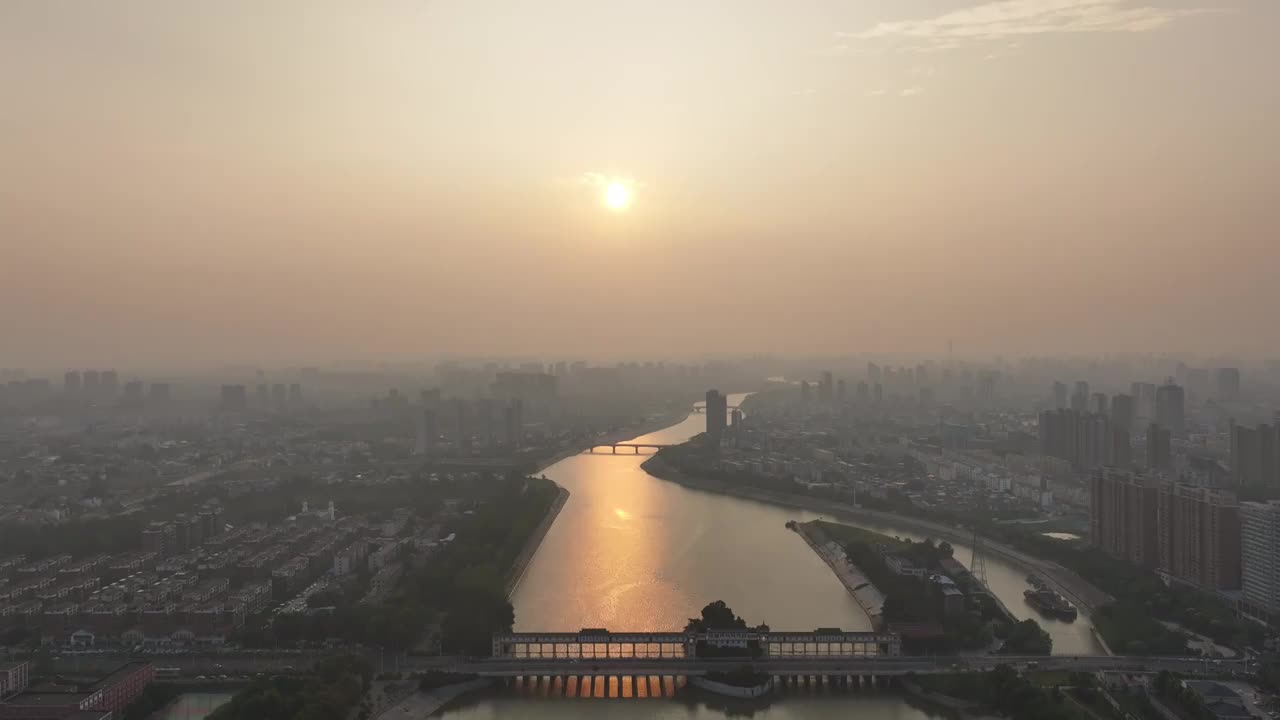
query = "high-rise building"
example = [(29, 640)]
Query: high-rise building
[(513, 418), (109, 383), (1260, 554), (1059, 395), (160, 392), (462, 435), (279, 396), (1100, 404), (1228, 380), (841, 394), (1123, 412), (1199, 536), (133, 396), (1121, 448), (71, 381), (1159, 449), (1082, 438), (1255, 455), (717, 413), (1122, 515), (263, 395), (90, 380), (863, 394), (234, 397), (295, 394), (1080, 398), (1171, 408), (1146, 400), (806, 394), (826, 388), (873, 373), (428, 431)]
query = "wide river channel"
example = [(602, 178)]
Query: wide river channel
[(632, 552)]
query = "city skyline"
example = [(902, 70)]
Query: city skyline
[(374, 182)]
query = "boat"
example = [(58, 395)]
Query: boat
[(1051, 604)]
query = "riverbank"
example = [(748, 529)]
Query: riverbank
[(424, 703), (855, 582), (1072, 586), (534, 541)]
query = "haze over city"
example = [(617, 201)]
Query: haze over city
[(675, 359), (187, 184)]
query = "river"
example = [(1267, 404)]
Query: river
[(632, 552)]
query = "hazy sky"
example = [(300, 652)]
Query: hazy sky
[(195, 182)]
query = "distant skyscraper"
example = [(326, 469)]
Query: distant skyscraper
[(279, 396), (1100, 404), (1159, 449), (1080, 398), (1123, 412), (110, 384), (513, 418), (840, 392), (1260, 554), (1171, 409), (826, 388), (1146, 400), (71, 381), (717, 415), (1255, 456), (133, 395), (1059, 395), (806, 394), (262, 395), (462, 435), (1228, 384), (295, 394), (863, 394), (879, 393), (234, 397), (91, 379), (428, 431), (873, 373)]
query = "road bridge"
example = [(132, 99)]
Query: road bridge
[(635, 446)]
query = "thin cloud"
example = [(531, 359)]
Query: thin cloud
[(995, 21)]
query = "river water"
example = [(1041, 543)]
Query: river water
[(632, 552)]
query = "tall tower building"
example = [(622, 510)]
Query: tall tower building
[(1080, 398), (1199, 536), (1123, 412), (1255, 455), (1228, 382), (1159, 449), (1059, 395), (1260, 554), (1122, 516), (1171, 408), (110, 384), (428, 431), (1100, 404), (71, 381), (717, 414)]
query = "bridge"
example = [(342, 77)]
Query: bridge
[(869, 669), (703, 408), (636, 447), (600, 644)]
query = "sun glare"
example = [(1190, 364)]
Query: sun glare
[(617, 196)]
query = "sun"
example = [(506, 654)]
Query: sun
[(617, 196)]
